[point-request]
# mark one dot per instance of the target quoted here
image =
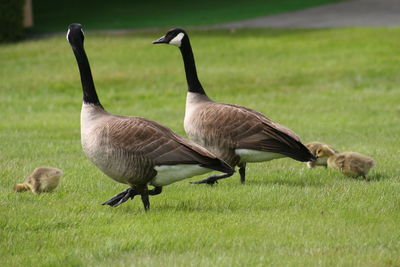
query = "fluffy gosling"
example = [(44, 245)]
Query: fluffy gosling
[(42, 179), (320, 161), (351, 164)]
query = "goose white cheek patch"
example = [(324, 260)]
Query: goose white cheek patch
[(67, 34), (177, 40)]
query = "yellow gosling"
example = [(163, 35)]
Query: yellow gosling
[(320, 161), (351, 164), (42, 179)]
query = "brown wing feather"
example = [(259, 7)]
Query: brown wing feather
[(250, 129), (149, 139)]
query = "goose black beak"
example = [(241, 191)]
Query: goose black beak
[(160, 41)]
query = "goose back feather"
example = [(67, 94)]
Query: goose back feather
[(128, 148), (223, 128)]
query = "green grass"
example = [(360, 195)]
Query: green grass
[(339, 86), (55, 16)]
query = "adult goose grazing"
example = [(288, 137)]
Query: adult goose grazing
[(234, 133), (134, 150)]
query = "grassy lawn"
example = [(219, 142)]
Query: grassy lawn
[(340, 86), (53, 16)]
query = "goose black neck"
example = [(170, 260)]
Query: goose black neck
[(89, 91), (193, 82)]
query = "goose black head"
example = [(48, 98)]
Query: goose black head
[(174, 37), (75, 35)]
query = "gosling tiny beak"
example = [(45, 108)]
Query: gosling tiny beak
[(160, 41)]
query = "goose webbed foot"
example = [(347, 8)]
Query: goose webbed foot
[(211, 180), (121, 197), (131, 193), (155, 191)]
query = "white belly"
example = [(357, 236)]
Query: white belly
[(168, 174), (250, 155)]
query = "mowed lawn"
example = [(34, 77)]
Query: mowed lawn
[(340, 86)]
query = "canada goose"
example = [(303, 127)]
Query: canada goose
[(42, 179), (352, 164), (320, 161), (134, 150), (234, 133)]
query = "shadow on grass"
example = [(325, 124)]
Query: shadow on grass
[(376, 177), (292, 183), (192, 206), (179, 206)]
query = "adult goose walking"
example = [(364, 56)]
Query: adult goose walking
[(234, 133), (134, 150)]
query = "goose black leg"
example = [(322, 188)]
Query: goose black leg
[(242, 172), (145, 200), (121, 197), (213, 178), (144, 193)]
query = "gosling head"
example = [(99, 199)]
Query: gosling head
[(174, 37), (324, 151), (21, 187), (75, 35), (53, 172)]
